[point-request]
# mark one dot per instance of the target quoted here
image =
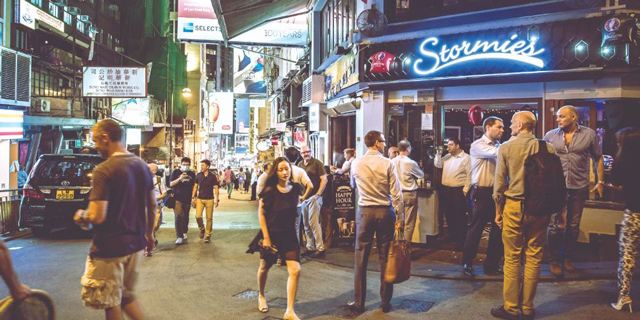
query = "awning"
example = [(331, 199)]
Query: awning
[(238, 16)]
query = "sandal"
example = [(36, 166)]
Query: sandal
[(263, 309)]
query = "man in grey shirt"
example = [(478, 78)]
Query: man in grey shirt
[(575, 144)]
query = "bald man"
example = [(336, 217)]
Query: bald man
[(576, 145), (520, 233)]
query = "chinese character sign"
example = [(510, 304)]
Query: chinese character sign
[(114, 82)]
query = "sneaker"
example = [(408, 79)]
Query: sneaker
[(308, 253), (179, 241), (318, 254), (207, 239), (184, 236), (201, 233), (556, 270)]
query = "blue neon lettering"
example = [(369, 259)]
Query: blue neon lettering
[(521, 51)]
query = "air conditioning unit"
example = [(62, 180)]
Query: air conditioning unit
[(312, 90), (347, 107), (74, 11), (45, 105), (120, 49)]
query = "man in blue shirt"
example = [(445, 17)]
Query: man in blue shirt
[(575, 144)]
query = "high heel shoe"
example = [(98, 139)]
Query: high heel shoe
[(263, 308), (622, 301)]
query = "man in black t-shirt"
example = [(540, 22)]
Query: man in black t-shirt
[(206, 184), (182, 181), (122, 207)]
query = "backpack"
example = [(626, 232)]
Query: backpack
[(545, 190)]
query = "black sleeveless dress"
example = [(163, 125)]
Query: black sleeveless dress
[(281, 210)]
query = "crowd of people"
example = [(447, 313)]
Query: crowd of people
[(128, 195)]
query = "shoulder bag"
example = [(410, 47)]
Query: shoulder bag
[(399, 260)]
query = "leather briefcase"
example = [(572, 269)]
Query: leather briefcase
[(399, 260)]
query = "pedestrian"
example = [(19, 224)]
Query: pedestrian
[(379, 190), (122, 207), (456, 179), (277, 214), (18, 290), (393, 152), (239, 180), (298, 175), (522, 234), (349, 156), (228, 181), (160, 191), (484, 153), (254, 183), (311, 206), (328, 224), (408, 172), (625, 175), (575, 145), (262, 179), (182, 181), (203, 198), (247, 180)]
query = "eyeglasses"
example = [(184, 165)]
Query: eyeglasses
[(383, 141)]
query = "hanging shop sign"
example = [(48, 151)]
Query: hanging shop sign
[(27, 14), (198, 22), (114, 82), (221, 112), (314, 117), (621, 29), (132, 112), (11, 124), (381, 62), (341, 74)]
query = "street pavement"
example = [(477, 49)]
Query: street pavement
[(218, 280)]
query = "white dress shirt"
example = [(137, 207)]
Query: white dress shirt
[(376, 179), (298, 175), (484, 154), (346, 166), (408, 172), (456, 170)]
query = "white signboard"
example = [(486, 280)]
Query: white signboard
[(134, 136), (314, 117), (221, 112), (198, 22), (28, 14), (427, 121), (133, 112), (114, 82)]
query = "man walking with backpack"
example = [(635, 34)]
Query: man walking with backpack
[(522, 233), (575, 145)]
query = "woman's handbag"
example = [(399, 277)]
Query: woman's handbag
[(399, 260)]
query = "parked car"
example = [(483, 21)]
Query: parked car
[(57, 187)]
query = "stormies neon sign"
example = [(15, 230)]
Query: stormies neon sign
[(520, 51)]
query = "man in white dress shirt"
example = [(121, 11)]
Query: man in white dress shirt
[(349, 156), (379, 190), (408, 172), (484, 153), (456, 180)]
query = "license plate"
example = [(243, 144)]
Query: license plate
[(64, 195)]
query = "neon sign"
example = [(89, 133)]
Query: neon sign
[(520, 51)]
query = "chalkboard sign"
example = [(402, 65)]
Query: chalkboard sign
[(343, 197)]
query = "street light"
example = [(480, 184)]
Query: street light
[(186, 93)]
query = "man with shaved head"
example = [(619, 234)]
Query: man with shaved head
[(393, 152), (576, 145), (521, 234)]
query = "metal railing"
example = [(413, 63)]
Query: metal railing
[(9, 210)]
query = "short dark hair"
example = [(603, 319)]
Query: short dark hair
[(372, 137), (455, 141), (111, 128), (490, 121), (404, 145), (292, 154), (186, 159), (350, 151), (207, 162)]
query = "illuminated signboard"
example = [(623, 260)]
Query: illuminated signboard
[(27, 14), (221, 112), (434, 58), (114, 82), (133, 112), (198, 22)]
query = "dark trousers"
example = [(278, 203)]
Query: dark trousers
[(253, 190), (454, 205), (369, 221), (562, 242), (181, 212), (327, 225), (484, 211)]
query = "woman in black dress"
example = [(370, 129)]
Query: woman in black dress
[(625, 176), (277, 214)]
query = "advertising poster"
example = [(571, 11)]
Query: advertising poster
[(198, 22), (242, 143), (134, 112), (221, 112), (341, 74), (248, 71), (114, 82), (242, 116), (27, 14)]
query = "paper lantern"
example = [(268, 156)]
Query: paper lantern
[(475, 115)]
